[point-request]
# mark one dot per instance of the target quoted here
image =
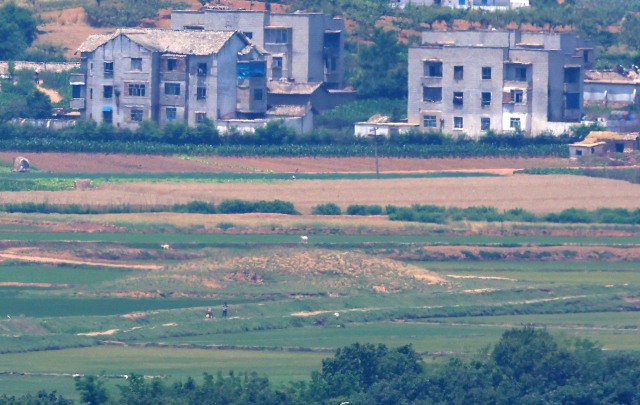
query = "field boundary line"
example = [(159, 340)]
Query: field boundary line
[(207, 162), (217, 347), (54, 260)]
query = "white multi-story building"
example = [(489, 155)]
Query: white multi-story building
[(166, 76), (468, 82)]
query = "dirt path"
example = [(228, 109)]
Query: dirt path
[(54, 260), (53, 95)]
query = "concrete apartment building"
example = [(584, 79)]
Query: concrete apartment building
[(302, 47), (467, 82), (167, 76)]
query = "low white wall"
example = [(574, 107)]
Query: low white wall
[(56, 67)]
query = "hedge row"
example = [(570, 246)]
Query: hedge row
[(193, 207), (439, 215)]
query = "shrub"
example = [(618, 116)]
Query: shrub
[(357, 210), (374, 210), (326, 209)]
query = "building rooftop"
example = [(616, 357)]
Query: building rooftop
[(610, 76), (178, 42), (289, 110), (278, 87)]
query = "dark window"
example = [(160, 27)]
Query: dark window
[(430, 121), (90, 94), (331, 40), (248, 35), (458, 123), (172, 64), (136, 64), (585, 55), (571, 75), (432, 94), (136, 90), (573, 101), (76, 91), (458, 98), (485, 124), (202, 69), (578, 153), (171, 114), (257, 94), (517, 96), (276, 36), (620, 147), (486, 98), (521, 74), (202, 93), (514, 123), (458, 72), (107, 116), (277, 62), (172, 89), (486, 73), (433, 69), (108, 69), (200, 116), (136, 115), (107, 92)]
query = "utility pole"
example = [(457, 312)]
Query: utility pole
[(374, 135)]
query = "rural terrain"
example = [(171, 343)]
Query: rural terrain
[(115, 292)]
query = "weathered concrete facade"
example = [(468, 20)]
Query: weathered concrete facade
[(489, 5), (167, 76), (302, 47), (467, 82)]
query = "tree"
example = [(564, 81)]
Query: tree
[(92, 390), (382, 71)]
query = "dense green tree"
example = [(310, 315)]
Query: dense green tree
[(18, 30)]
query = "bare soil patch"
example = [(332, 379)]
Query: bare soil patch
[(38, 285), (121, 163), (533, 193), (68, 29), (54, 96), (366, 164)]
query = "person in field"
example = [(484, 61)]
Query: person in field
[(225, 307), (209, 315)]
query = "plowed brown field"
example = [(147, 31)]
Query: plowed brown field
[(534, 193), (119, 163)]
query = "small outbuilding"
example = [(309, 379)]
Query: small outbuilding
[(21, 165), (602, 142)]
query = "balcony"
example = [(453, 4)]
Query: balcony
[(432, 81), (78, 104), (77, 79)]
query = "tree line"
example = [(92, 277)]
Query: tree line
[(527, 367)]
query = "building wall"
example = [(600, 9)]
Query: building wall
[(546, 96), (615, 92), (120, 51), (472, 86), (303, 55)]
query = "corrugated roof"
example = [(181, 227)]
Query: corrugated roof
[(278, 87), (289, 110), (178, 42)]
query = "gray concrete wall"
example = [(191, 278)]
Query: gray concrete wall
[(181, 18), (468, 38)]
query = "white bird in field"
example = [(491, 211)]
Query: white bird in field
[(294, 177), (337, 315), (8, 317)]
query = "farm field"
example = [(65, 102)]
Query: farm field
[(102, 291), (532, 193), (119, 163)]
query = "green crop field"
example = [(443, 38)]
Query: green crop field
[(173, 364), (83, 275), (629, 320), (530, 266), (564, 277)]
